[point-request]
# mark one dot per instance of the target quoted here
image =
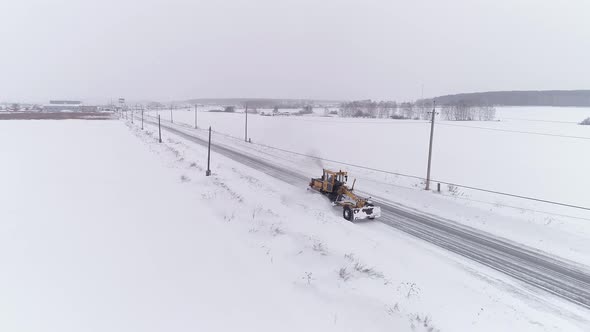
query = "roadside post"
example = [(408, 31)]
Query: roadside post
[(246, 125), (208, 173), (142, 119), (196, 116), (159, 130)]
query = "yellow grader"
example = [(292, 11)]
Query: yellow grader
[(334, 185)]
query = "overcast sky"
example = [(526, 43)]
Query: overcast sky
[(319, 49)]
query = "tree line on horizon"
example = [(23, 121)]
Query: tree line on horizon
[(566, 98), (419, 110)]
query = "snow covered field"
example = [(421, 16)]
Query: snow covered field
[(519, 155), (107, 230)]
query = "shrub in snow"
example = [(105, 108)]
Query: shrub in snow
[(361, 268), (349, 257), (309, 277), (344, 274), (306, 110), (319, 247), (585, 122), (410, 288), (399, 117), (453, 190), (276, 230)]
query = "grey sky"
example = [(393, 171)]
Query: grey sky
[(330, 49)]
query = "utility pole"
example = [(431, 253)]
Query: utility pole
[(208, 172), (159, 130), (246, 126), (430, 146)]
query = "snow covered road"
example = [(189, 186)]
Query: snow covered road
[(557, 276)]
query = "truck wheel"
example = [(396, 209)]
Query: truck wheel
[(347, 213)]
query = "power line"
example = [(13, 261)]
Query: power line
[(421, 178), (538, 120), (522, 208), (480, 201), (391, 121), (514, 131)]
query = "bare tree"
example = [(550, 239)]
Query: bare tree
[(462, 111), (484, 112), (407, 110), (371, 109), (422, 109), (386, 108), (346, 110), (488, 113), (446, 112)]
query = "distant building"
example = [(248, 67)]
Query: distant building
[(68, 106)]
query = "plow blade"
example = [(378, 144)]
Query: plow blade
[(370, 212)]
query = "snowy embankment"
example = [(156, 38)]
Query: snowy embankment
[(107, 231)]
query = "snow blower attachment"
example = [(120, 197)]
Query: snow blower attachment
[(333, 185)]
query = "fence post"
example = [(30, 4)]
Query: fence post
[(438, 187), (246, 125), (159, 130), (208, 173)]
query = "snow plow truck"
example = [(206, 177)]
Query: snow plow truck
[(334, 185)]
